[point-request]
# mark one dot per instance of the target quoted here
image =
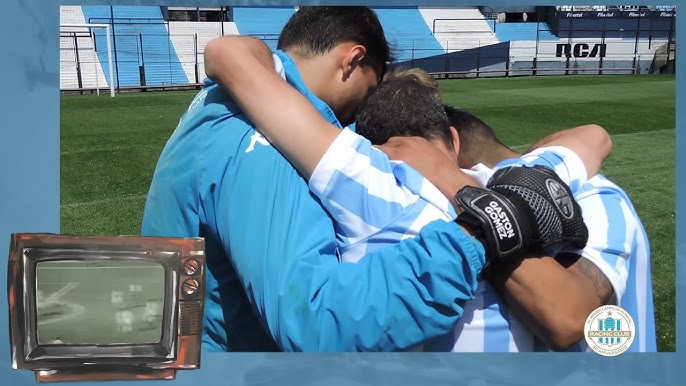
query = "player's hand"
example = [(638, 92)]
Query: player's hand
[(523, 208), (429, 160)]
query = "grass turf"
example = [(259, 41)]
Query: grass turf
[(109, 148)]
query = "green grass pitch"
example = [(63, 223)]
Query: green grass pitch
[(109, 147)]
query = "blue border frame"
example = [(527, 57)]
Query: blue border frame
[(29, 202)]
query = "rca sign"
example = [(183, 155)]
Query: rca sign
[(581, 50)]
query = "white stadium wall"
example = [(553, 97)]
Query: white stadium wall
[(586, 55), (467, 29), (190, 38), (90, 67)]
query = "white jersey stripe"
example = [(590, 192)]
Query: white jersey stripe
[(472, 320)]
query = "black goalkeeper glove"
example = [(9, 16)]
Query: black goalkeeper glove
[(523, 208)]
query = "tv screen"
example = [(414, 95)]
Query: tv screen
[(105, 307), (99, 302)]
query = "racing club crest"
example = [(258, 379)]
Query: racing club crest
[(609, 330)]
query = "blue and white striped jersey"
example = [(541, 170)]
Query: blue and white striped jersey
[(373, 200), (376, 202), (617, 245)]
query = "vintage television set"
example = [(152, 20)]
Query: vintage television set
[(105, 308)]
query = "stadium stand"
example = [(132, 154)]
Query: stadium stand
[(459, 28), (190, 38), (408, 33), (85, 61), (264, 23), (154, 49), (142, 41), (618, 28), (507, 32)]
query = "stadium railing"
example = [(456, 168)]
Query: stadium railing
[(483, 60)]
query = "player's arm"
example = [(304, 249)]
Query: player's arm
[(542, 289), (553, 301), (591, 143), (318, 149), (308, 300), (269, 101), (242, 65), (289, 121), (555, 296), (282, 246), (216, 49), (547, 296), (393, 298)]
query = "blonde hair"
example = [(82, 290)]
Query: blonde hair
[(419, 75)]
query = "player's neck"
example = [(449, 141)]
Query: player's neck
[(314, 74), (497, 154), (450, 153)]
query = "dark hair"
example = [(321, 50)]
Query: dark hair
[(476, 137), (469, 127), (405, 107), (316, 30)]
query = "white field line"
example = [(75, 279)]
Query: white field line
[(57, 295), (76, 310), (54, 299), (103, 201)]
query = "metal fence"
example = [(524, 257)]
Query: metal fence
[(149, 61)]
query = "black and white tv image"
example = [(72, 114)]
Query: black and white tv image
[(74, 307), (103, 308)]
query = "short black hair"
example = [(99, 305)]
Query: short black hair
[(404, 107), (469, 125), (476, 136), (316, 30)]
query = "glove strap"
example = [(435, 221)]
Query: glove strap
[(502, 234)]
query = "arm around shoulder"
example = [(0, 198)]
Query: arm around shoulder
[(591, 143), (218, 53), (244, 67)]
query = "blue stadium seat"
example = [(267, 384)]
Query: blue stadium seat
[(408, 33), (523, 31), (132, 25), (264, 23), (405, 28)]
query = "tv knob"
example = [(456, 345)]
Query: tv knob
[(191, 267), (190, 286)]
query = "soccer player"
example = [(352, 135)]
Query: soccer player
[(273, 278), (151, 313), (616, 257), (372, 199), (127, 320), (616, 260), (116, 297)]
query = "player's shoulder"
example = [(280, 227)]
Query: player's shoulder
[(565, 162), (600, 184), (601, 194), (557, 156), (550, 156)]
